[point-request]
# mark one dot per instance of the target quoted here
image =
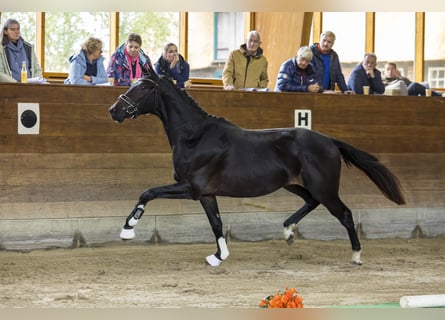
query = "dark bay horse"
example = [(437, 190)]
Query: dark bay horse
[(214, 157)]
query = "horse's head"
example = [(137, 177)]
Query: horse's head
[(139, 99)]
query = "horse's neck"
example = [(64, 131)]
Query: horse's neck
[(182, 117)]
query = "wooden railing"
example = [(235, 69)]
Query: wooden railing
[(82, 164)]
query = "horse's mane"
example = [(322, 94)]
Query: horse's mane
[(193, 103)]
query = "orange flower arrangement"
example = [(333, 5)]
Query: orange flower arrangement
[(289, 299)]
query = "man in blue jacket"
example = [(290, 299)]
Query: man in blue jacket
[(326, 63)]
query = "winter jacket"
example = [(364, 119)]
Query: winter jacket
[(119, 67), (5, 70), (359, 78), (180, 72), (78, 67), (244, 71), (336, 74), (291, 78)]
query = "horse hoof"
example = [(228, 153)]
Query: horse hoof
[(213, 261), (127, 234), (289, 234), (290, 240)]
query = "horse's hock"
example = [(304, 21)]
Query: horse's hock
[(74, 181)]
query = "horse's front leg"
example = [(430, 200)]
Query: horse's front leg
[(211, 209), (173, 191)]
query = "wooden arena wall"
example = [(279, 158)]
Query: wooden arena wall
[(76, 181)]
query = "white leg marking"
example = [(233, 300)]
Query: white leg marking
[(223, 247), (132, 222), (289, 231), (127, 234), (356, 257), (213, 261)]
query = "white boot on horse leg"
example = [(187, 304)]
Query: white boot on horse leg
[(224, 253), (127, 234), (139, 211), (356, 257), (289, 234)]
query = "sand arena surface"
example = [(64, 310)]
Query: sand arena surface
[(171, 275)]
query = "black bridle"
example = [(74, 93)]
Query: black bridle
[(132, 107)]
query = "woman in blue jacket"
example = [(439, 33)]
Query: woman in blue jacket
[(173, 65), (87, 66), (297, 75)]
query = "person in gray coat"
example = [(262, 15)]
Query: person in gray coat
[(14, 50)]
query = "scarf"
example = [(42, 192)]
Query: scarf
[(138, 71), (16, 55)]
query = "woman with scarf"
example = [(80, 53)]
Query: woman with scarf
[(13, 52), (128, 62), (174, 66)]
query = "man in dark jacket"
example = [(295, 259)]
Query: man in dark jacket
[(366, 74), (326, 63)]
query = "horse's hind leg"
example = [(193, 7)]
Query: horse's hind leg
[(309, 204), (211, 209), (339, 210)]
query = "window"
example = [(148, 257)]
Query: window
[(155, 28), (27, 22), (435, 49), (229, 33), (61, 42), (394, 41), (350, 42), (211, 37), (436, 77)]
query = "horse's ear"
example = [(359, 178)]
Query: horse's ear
[(149, 73)]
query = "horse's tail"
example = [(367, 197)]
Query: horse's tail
[(384, 179)]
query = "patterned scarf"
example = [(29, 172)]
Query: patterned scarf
[(138, 66)]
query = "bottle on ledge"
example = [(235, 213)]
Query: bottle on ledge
[(24, 74)]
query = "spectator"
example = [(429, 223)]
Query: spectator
[(393, 77), (326, 63), (13, 51), (128, 61), (297, 75), (246, 67), (366, 74), (174, 66), (87, 66)]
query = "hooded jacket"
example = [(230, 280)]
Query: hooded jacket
[(119, 67), (180, 72), (78, 67), (243, 71)]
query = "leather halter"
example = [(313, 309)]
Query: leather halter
[(132, 107)]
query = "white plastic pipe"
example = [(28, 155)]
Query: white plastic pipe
[(425, 301)]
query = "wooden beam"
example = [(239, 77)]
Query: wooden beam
[(114, 31), (318, 26), (370, 32), (183, 34), (306, 28), (419, 65), (40, 38)]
